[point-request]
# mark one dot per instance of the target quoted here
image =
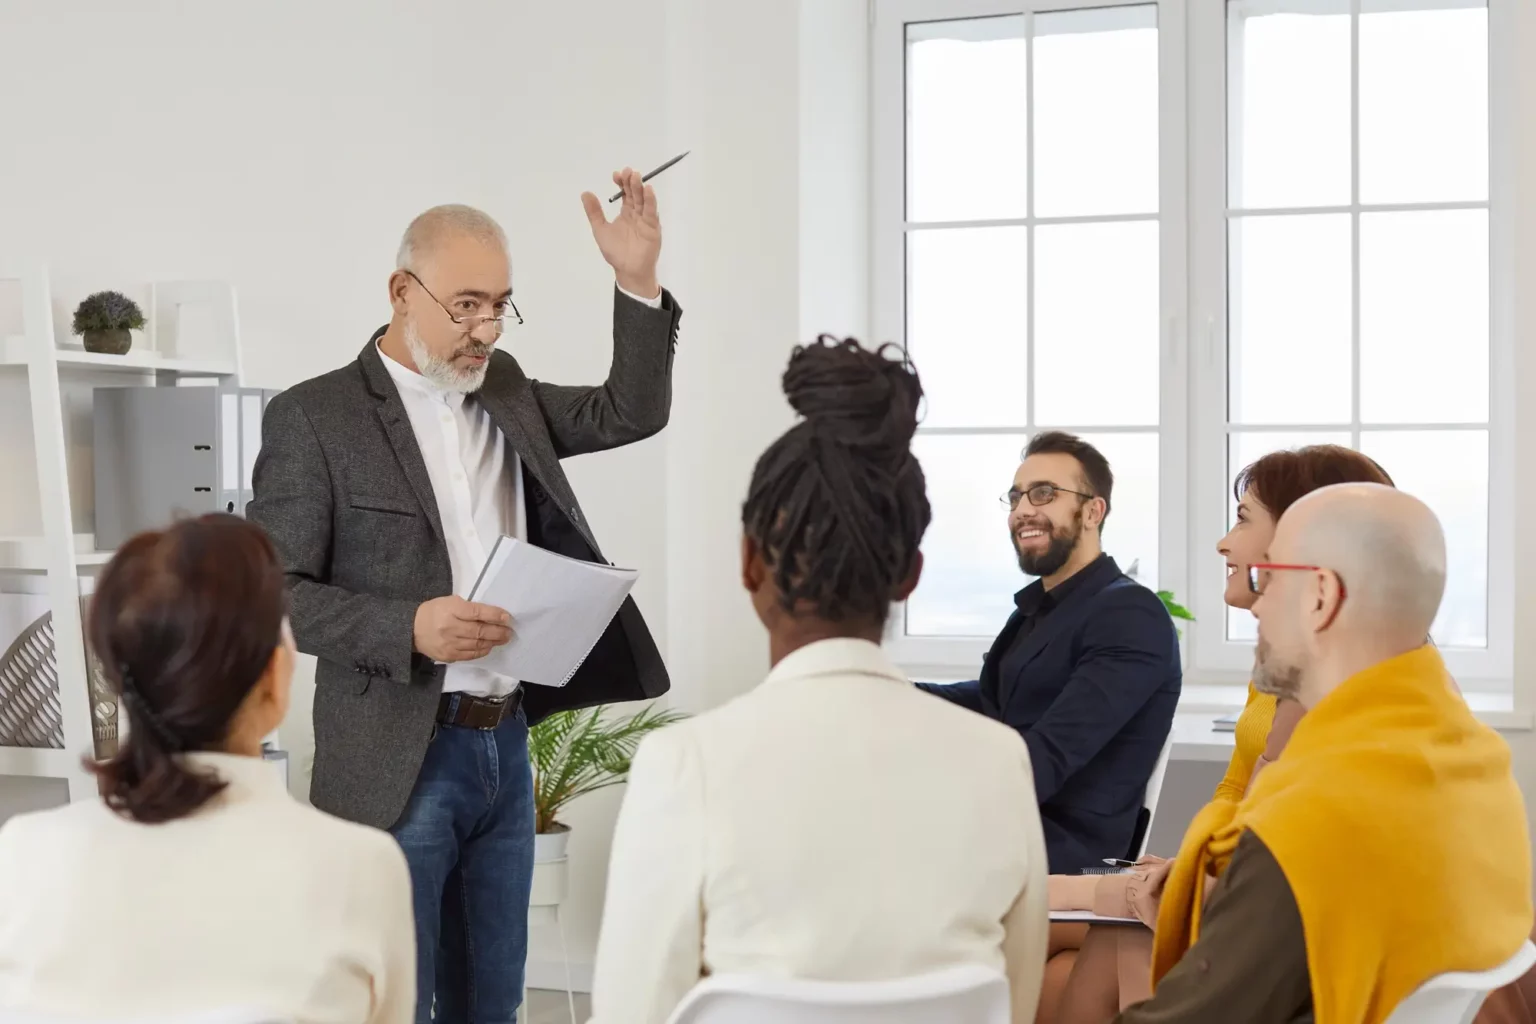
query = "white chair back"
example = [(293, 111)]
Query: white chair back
[(227, 1015), (1456, 998), (1149, 801), (960, 995)]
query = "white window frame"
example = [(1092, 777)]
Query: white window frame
[(1194, 486), (1215, 659), (960, 657)]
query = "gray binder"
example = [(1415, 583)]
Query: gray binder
[(162, 453)]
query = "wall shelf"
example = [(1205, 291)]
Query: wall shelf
[(17, 352), (192, 332), (30, 554), (44, 762)]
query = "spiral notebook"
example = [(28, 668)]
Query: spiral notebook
[(559, 607)]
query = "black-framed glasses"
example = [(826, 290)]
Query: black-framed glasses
[(470, 323), (1039, 494)]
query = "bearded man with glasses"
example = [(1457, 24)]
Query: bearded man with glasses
[(384, 486), (1087, 668)]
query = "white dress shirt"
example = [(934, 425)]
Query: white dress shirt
[(836, 823), (477, 480), (254, 902)]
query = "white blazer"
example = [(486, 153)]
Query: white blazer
[(255, 901), (836, 823)]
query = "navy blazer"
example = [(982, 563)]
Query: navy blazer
[(1093, 693)]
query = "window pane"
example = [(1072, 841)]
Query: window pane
[(1130, 532), (1423, 105), (1290, 311), (1243, 450), (970, 571), (1096, 111), (1424, 317), (966, 327), (1448, 471), (1096, 303), (1288, 82), (967, 110)]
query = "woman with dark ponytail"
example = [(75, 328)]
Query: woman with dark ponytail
[(197, 883), (835, 823)]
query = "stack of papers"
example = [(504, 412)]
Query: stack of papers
[(559, 606)]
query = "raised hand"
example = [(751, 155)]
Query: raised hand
[(631, 242)]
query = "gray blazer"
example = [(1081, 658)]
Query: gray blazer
[(341, 488)]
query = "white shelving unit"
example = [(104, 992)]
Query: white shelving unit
[(193, 332)]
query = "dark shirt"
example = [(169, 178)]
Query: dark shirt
[(1088, 674), (1035, 604), (1250, 963)]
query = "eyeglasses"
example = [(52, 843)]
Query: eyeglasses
[(470, 323), (1258, 575), (1038, 494)]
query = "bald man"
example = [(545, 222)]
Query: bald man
[(1379, 812), (384, 485)]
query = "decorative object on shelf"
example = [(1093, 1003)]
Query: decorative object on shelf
[(574, 753), (104, 707), (1175, 610), (30, 712), (104, 320)]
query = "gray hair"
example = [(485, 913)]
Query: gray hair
[(429, 229)]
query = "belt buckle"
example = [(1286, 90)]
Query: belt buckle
[(492, 709)]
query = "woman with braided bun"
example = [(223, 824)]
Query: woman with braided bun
[(833, 823), (197, 884)]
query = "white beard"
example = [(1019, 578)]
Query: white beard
[(441, 371)]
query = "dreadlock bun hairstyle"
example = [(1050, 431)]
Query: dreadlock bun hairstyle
[(837, 505)]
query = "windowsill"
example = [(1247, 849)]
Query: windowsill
[(1200, 704), (1195, 737)]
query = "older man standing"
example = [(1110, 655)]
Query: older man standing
[(384, 485)]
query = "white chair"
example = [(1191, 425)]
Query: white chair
[(1456, 998), (1149, 803), (231, 1015), (960, 995)]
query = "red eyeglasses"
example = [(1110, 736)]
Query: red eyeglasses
[(1264, 568)]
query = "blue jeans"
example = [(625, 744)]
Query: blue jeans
[(467, 833)]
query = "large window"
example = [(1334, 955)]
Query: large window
[(1333, 276), (1030, 232)]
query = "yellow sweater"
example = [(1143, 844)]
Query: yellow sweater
[(1251, 736), (1398, 824)]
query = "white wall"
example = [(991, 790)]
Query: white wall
[(1523, 218)]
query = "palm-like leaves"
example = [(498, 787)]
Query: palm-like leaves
[(578, 752)]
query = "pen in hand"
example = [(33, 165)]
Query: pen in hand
[(647, 177)]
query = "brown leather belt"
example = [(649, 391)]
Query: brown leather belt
[(470, 712)]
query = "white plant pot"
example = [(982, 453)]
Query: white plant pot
[(548, 846), (551, 877)]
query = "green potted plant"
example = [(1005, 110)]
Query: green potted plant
[(1175, 610), (574, 753), (104, 320)]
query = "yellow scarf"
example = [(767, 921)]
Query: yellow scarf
[(1398, 824)]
